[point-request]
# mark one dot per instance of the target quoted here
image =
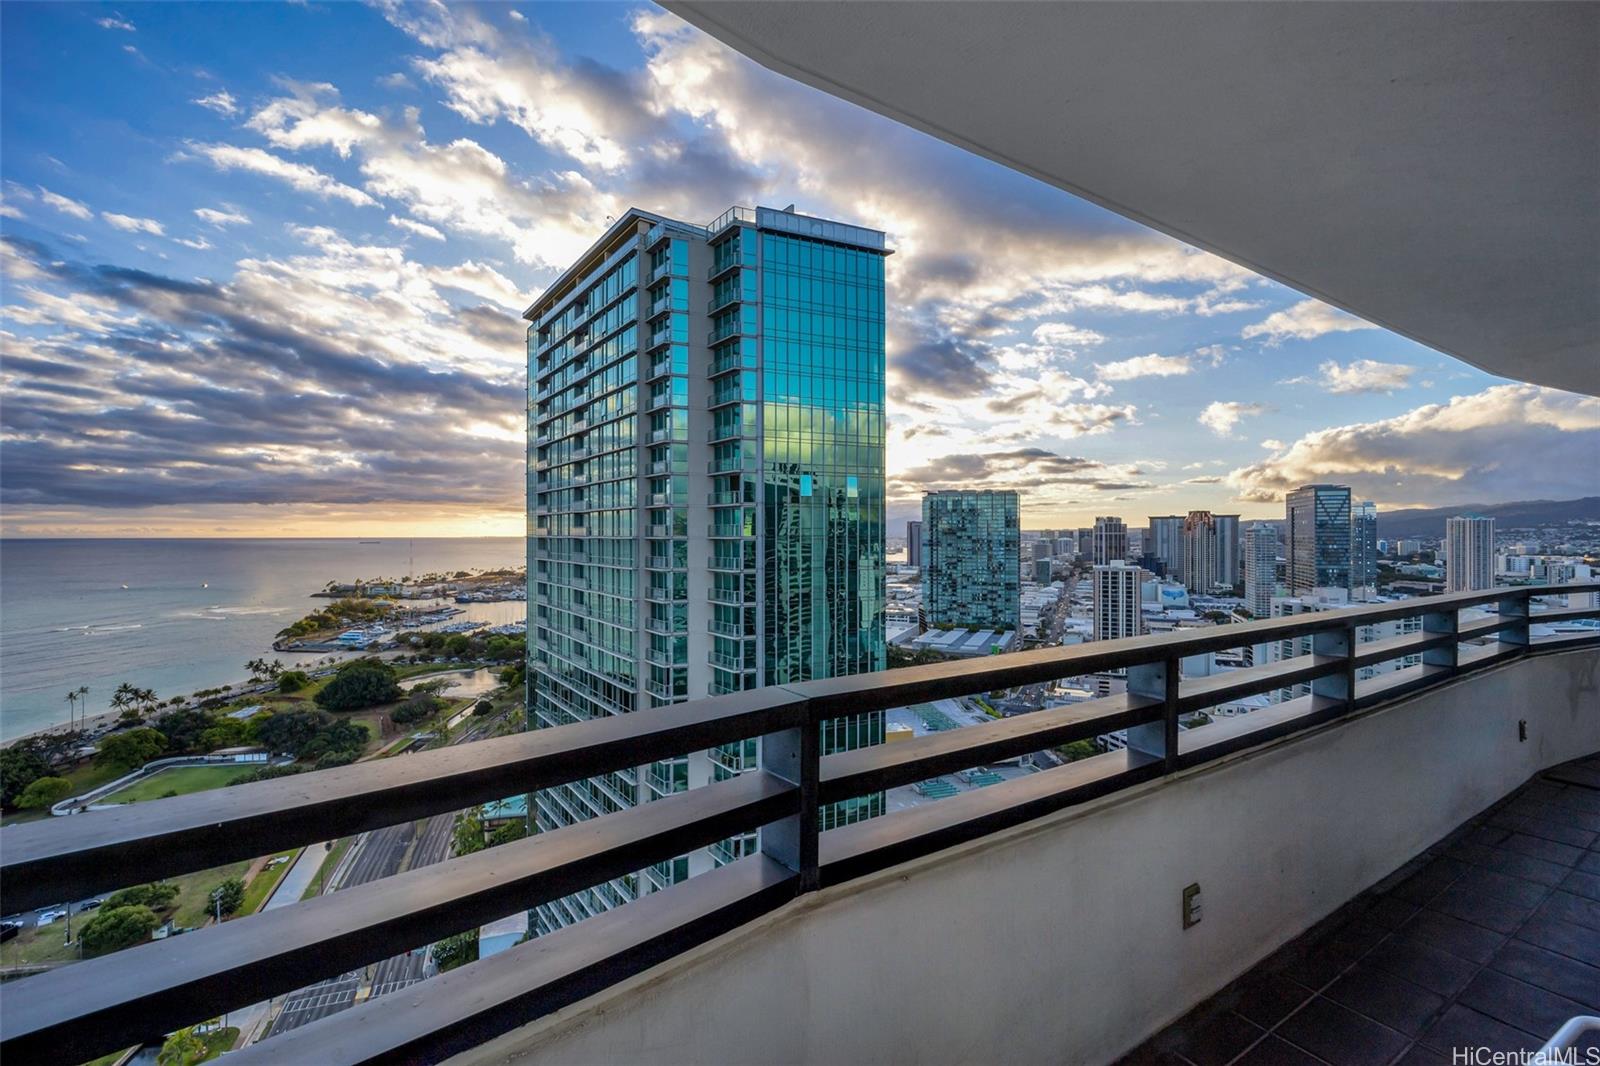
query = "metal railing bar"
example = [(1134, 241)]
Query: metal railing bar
[(883, 766), (76, 1013), (1225, 735), (1381, 651), (1201, 692), (891, 839), (461, 1009), (1484, 627), (45, 862), (1563, 614), (857, 693)]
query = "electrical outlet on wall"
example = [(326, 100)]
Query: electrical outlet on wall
[(1191, 905)]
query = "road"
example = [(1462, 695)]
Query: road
[(380, 853)]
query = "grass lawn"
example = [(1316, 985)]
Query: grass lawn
[(182, 780), (329, 864), (33, 946), (257, 891), (194, 892), (220, 1041)]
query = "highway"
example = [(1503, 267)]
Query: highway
[(380, 853)]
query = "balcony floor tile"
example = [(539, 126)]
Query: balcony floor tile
[(1490, 938), (1557, 973)]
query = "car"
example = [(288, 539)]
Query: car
[(48, 916), (90, 904), (9, 931)]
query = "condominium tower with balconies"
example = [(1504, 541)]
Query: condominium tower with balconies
[(705, 493)]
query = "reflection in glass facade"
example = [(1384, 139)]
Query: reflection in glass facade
[(706, 493), (1317, 538), (971, 555), (1364, 545)]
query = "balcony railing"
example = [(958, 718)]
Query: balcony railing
[(77, 1012)]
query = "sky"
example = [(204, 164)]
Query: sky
[(263, 267)]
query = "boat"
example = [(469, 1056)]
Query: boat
[(124, 586)]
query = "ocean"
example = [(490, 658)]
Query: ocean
[(193, 611)]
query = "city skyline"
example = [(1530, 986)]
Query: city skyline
[(240, 290)]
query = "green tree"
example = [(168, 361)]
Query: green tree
[(124, 751), (418, 705), (293, 680), (157, 895), (469, 832), (363, 683), (506, 833), (481, 708), (20, 766), (457, 645), (289, 732), (224, 733), (183, 1048), (456, 950), (183, 730), (1078, 749), (115, 928), (228, 896), (44, 792)]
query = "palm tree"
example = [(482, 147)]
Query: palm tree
[(83, 697), (146, 698), (72, 707), (122, 698)]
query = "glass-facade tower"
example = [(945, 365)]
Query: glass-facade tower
[(972, 559), (1317, 538), (1364, 545), (706, 493)]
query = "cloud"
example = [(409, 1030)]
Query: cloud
[(221, 101), (342, 375), (130, 224), (1144, 366), (421, 229), (116, 22), (1046, 478), (199, 244), (1361, 375), (226, 216), (396, 81), (1203, 481), (65, 205), (1508, 442), (1066, 335), (1220, 416), (1303, 321), (227, 157)]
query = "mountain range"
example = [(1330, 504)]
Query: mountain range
[(1429, 521)]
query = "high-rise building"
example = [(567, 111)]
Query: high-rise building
[(1116, 600), (1260, 568), (914, 543), (706, 493), (1042, 571), (1110, 540), (1317, 537), (1086, 544), (1199, 551), (1228, 545), (1469, 553), (1166, 543), (972, 569), (1364, 545)]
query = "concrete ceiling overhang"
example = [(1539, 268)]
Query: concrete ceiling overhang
[(1432, 167)]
